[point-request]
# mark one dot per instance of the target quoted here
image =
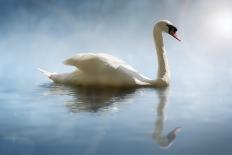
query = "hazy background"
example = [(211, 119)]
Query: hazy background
[(43, 33), (38, 117)]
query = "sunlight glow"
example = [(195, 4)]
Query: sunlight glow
[(220, 24)]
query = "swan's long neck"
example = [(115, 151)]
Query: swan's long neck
[(163, 74), (163, 67)]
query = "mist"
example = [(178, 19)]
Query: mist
[(39, 117), (46, 32)]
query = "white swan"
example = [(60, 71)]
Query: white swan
[(105, 70)]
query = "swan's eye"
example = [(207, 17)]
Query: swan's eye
[(171, 29)]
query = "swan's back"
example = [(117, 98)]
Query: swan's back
[(93, 63), (104, 69)]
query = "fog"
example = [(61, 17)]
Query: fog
[(44, 33), (39, 117)]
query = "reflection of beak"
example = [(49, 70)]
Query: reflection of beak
[(172, 135), (175, 36)]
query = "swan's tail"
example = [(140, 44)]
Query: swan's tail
[(47, 73)]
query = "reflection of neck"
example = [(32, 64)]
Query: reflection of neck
[(164, 141), (159, 124), (163, 68)]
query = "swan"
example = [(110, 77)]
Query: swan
[(100, 69)]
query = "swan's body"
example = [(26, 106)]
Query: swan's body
[(105, 70)]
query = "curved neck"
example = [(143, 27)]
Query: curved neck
[(163, 67)]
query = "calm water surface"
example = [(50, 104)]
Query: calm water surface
[(56, 119)]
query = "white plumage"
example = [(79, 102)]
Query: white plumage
[(99, 69)]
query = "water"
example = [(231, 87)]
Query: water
[(191, 117), (56, 119)]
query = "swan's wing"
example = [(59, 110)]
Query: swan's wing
[(126, 70), (92, 63), (86, 62), (106, 68), (130, 71), (123, 71)]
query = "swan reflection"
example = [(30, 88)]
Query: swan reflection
[(92, 99), (164, 140)]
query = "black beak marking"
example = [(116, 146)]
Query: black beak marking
[(171, 29)]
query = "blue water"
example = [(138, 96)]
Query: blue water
[(48, 118)]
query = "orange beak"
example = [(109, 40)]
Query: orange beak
[(175, 36)]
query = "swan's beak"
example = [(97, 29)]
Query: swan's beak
[(175, 36)]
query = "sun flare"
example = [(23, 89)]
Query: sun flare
[(220, 24)]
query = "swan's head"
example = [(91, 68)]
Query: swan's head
[(168, 27)]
